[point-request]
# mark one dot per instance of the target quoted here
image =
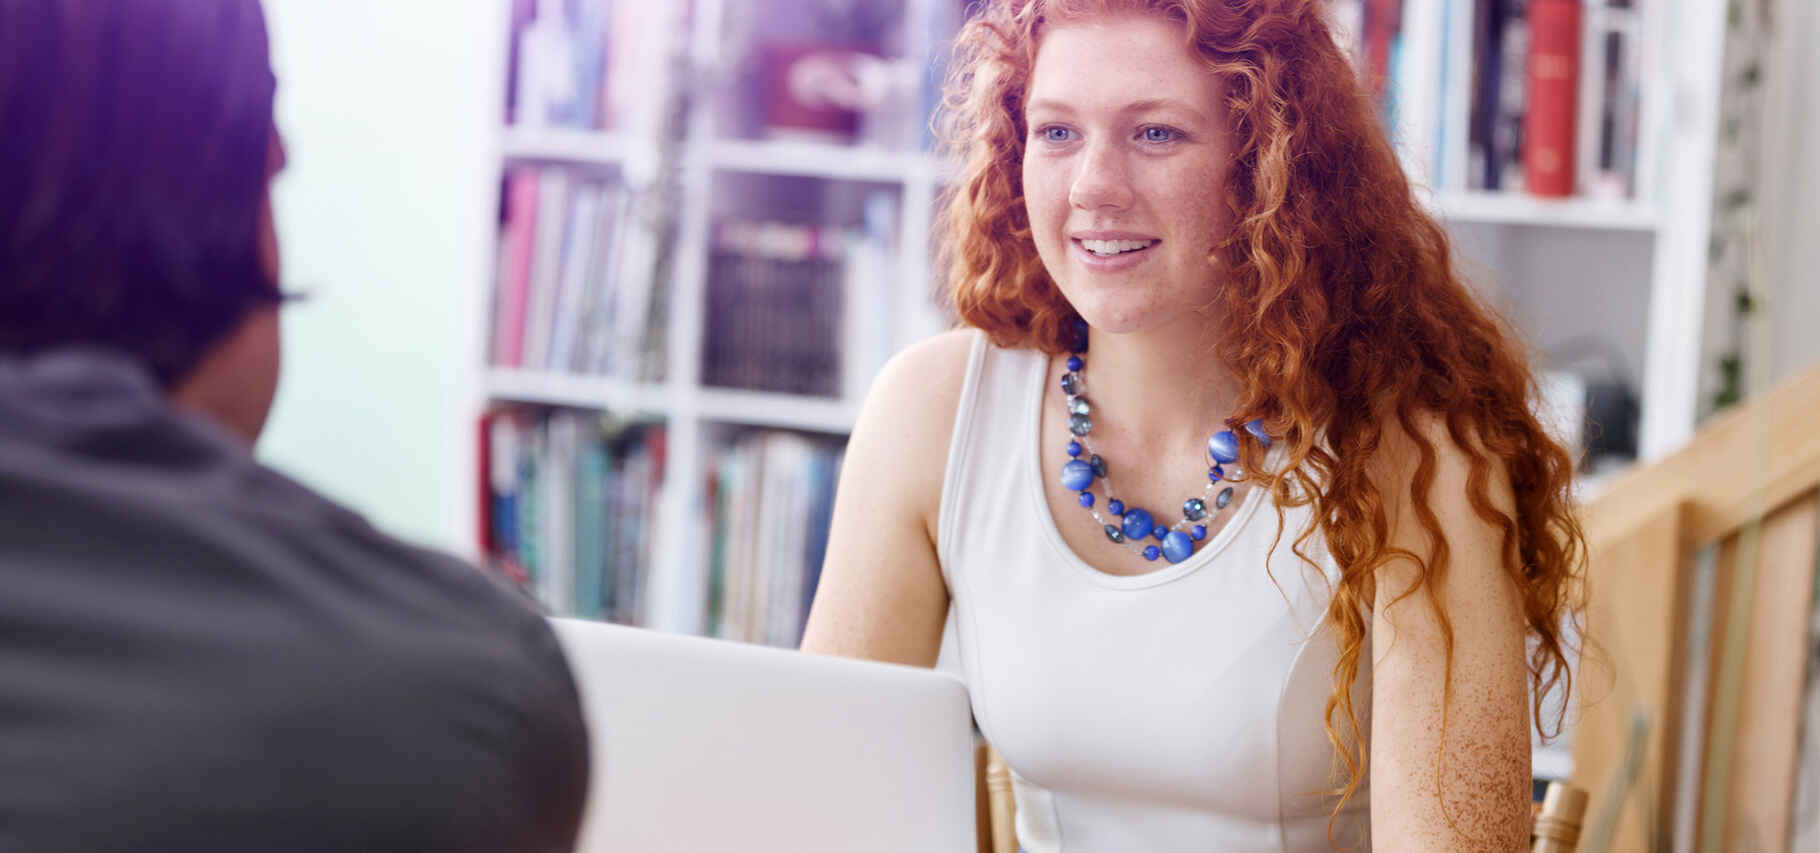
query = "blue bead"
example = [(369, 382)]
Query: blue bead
[(1098, 465), (1076, 476), (1114, 533), (1075, 363), (1199, 532), (1150, 552), (1216, 474), (1194, 509), (1115, 507), (1072, 384), (1087, 499), (1080, 424), (1137, 523), (1080, 335), (1256, 427), (1223, 446), (1223, 498), (1158, 532), (1177, 546), (1074, 448)]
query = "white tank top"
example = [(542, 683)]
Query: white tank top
[(1176, 710)]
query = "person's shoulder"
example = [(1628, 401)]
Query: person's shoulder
[(1426, 453), (926, 372), (908, 417), (917, 391)]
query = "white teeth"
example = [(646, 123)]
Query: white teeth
[(1106, 248)]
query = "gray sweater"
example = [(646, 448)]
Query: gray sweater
[(199, 654)]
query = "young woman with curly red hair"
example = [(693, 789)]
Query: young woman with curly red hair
[(1199, 287)]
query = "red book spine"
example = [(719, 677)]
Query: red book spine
[(1554, 74), (483, 469)]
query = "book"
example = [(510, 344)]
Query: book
[(594, 469), (546, 265), (581, 232), (513, 287), (775, 313), (774, 496), (1553, 80)]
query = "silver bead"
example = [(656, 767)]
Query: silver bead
[(1080, 424), (1194, 509), (1079, 406), (1224, 498)]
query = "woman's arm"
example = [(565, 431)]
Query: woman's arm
[(881, 594), (1470, 792)]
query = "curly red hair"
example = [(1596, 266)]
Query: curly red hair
[(1345, 313)]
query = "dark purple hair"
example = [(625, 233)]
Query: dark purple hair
[(133, 145)]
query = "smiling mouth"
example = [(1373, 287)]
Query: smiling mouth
[(1114, 248)]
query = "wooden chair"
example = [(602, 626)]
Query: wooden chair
[(1557, 818), (1745, 493)]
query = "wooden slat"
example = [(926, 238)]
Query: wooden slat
[(982, 798), (1003, 805), (1721, 645), (1749, 461), (1754, 741), (1637, 597)]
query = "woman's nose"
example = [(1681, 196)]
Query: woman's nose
[(1100, 179)]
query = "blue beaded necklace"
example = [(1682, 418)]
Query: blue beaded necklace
[(1175, 542)]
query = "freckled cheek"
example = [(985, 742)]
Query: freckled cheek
[(1046, 205)]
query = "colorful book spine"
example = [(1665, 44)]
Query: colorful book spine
[(1553, 83), (513, 288)]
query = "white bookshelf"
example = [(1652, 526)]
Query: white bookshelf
[(822, 161), (1488, 208), (557, 145), (1650, 248)]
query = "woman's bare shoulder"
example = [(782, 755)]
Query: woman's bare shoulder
[(908, 416)]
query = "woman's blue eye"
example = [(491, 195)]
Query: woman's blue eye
[(1158, 134), (1054, 134)]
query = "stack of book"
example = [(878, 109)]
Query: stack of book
[(1535, 96), (776, 306), (577, 64), (568, 507), (773, 495), (568, 295)]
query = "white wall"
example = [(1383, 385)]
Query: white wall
[(1791, 194), (390, 112)]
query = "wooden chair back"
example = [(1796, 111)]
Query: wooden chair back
[(1685, 731)]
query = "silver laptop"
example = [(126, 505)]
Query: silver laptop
[(707, 745)]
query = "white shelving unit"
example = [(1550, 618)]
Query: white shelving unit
[(1633, 271), (1630, 271), (707, 162)]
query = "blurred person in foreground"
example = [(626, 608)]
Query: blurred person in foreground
[(197, 653)]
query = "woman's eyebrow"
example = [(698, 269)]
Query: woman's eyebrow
[(1146, 105)]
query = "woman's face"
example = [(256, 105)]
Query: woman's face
[(1124, 170)]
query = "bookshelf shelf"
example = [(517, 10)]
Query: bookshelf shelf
[(584, 392), (821, 160), (556, 145), (1518, 209), (783, 411)]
